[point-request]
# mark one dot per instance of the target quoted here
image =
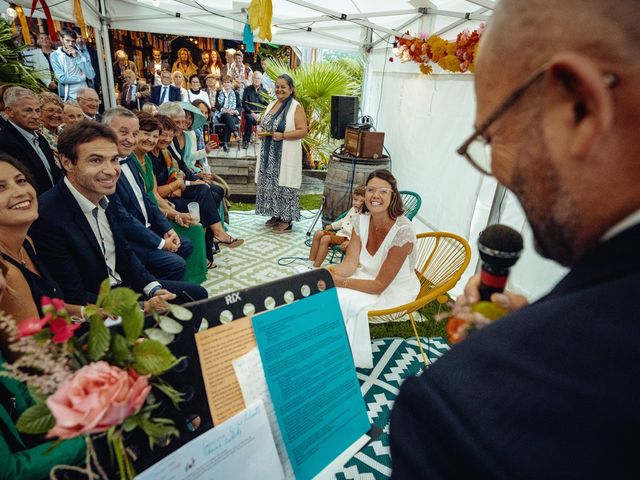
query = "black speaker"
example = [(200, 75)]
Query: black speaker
[(344, 110)]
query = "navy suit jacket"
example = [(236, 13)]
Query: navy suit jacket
[(134, 224), (550, 391), (13, 143), (66, 243), (175, 95)]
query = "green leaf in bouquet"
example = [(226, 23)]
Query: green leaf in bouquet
[(159, 335), (121, 350), (181, 313), (99, 338), (105, 288), (43, 335), (169, 325), (159, 430), (172, 394), (130, 424), (119, 300), (132, 322), (152, 358), (36, 420)]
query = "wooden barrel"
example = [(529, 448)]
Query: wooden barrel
[(343, 175)]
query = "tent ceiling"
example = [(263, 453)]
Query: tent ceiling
[(334, 24)]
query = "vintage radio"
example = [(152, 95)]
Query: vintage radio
[(363, 144)]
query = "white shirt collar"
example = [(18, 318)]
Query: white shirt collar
[(85, 204), (624, 224)]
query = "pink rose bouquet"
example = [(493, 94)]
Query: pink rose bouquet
[(95, 398)]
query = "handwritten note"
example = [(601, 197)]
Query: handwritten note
[(241, 448), (254, 387), (312, 380), (217, 348)]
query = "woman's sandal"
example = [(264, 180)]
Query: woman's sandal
[(272, 221), (211, 264), (231, 243), (283, 227)]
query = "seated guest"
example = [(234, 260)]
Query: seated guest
[(72, 114), (148, 138), (195, 91), (25, 272), (134, 93), (179, 82), (228, 107), (51, 117), (165, 92), (20, 139), (150, 235), (254, 100), (181, 186), (212, 85), (89, 102), (378, 271), (149, 107), (79, 232), (239, 72)]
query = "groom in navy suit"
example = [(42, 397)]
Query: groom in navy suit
[(551, 390), (79, 230)]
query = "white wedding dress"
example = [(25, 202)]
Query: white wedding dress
[(403, 288)]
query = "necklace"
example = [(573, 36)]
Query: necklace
[(20, 258)]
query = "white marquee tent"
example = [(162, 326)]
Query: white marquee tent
[(425, 118)]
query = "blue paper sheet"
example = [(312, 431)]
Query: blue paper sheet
[(312, 380)]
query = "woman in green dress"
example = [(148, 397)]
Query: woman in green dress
[(150, 130)]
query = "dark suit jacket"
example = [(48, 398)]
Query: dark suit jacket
[(550, 391), (13, 143), (144, 92), (66, 243), (174, 94), (134, 224)]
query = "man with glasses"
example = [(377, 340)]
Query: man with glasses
[(551, 390), (89, 103)]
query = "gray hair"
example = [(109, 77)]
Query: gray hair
[(13, 95), (83, 90), (109, 115), (171, 109), (72, 103)]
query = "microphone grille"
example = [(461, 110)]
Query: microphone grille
[(501, 238)]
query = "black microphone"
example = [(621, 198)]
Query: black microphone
[(500, 248)]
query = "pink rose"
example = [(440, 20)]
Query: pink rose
[(31, 326), (58, 304), (62, 330), (95, 398)]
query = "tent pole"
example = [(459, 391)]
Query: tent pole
[(106, 68), (496, 204)]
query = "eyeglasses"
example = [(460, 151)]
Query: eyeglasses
[(90, 100), (381, 190), (477, 148)]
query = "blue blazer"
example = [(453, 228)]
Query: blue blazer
[(175, 95), (65, 242), (550, 391), (134, 225)]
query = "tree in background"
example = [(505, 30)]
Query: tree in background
[(13, 70)]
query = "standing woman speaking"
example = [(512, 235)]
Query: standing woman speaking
[(279, 169)]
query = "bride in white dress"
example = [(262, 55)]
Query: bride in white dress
[(378, 270)]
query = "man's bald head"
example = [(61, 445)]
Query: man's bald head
[(567, 146)]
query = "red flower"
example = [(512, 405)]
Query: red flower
[(62, 330), (391, 59), (58, 304), (31, 326)]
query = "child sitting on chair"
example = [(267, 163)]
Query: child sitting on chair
[(336, 233)]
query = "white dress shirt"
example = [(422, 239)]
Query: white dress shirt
[(32, 138), (102, 231)]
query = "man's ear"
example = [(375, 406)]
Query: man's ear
[(578, 90), (65, 163)]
